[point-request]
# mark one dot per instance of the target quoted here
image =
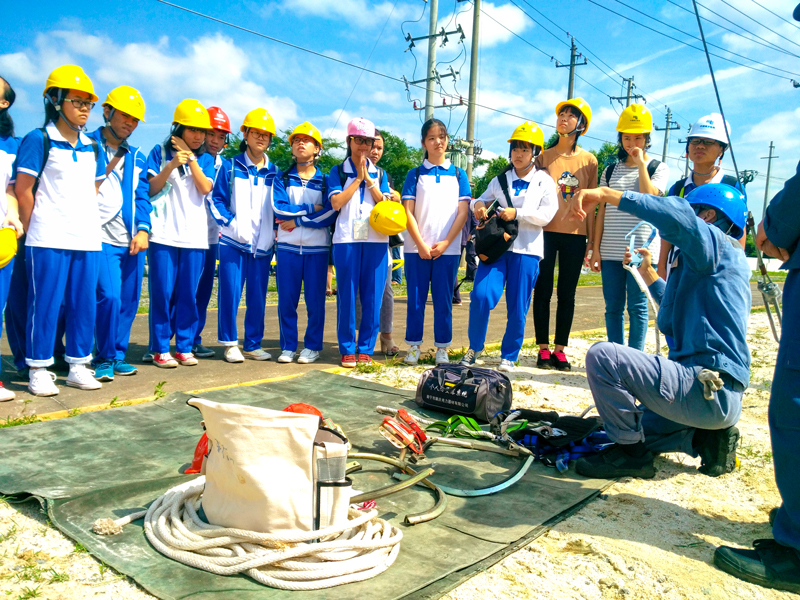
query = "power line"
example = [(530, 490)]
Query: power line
[(558, 39), (776, 14), (758, 23), (681, 41)]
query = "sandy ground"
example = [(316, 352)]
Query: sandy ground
[(641, 539)]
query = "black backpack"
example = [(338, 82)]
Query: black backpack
[(493, 235), (46, 155), (681, 185), (651, 169)]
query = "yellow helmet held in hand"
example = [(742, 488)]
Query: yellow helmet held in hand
[(128, 100), (388, 218), (191, 113), (306, 128), (8, 244), (70, 77), (582, 106), (635, 119), (259, 118), (528, 132)]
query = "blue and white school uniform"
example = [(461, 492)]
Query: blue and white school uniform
[(178, 241), (244, 210), (437, 191), (302, 256), (206, 286), (360, 264), (124, 201), (62, 247), (8, 154), (536, 201)]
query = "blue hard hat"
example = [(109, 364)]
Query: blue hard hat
[(727, 200)]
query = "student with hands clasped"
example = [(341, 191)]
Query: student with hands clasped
[(533, 195), (436, 196), (359, 252)]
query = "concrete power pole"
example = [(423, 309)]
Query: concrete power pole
[(630, 89), (630, 95), (473, 86), (434, 8), (572, 64), (769, 169), (670, 125)]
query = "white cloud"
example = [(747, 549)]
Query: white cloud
[(702, 81), (492, 32)]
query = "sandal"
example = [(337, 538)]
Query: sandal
[(388, 347)]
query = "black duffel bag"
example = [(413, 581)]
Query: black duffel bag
[(469, 391)]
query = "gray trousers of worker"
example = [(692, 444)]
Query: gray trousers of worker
[(642, 397), (387, 306)]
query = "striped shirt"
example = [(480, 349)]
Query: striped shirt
[(617, 224)]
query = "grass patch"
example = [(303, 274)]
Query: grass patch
[(159, 392), (14, 422), (57, 577), (370, 367)]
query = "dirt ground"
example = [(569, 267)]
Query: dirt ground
[(641, 539)]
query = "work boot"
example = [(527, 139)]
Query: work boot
[(615, 462), (769, 564), (717, 450)]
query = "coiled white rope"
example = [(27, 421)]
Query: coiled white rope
[(362, 548)]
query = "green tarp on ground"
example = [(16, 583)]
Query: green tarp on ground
[(110, 463)]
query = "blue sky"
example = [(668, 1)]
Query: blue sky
[(170, 55)]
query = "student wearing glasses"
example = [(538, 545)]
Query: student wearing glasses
[(242, 204), (59, 209), (359, 252), (180, 174)]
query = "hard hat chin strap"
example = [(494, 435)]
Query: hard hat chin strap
[(57, 105), (110, 128)]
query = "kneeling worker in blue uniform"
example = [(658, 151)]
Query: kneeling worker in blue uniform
[(690, 401)]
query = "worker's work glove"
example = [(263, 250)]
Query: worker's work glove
[(711, 383)]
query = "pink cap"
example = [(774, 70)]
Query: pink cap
[(362, 127)]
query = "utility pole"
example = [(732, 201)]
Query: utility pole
[(434, 8), (670, 125), (686, 159), (473, 86), (769, 168), (572, 64), (630, 95)]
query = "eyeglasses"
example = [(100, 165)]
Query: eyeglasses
[(80, 103), (698, 141), (362, 141), (260, 135)]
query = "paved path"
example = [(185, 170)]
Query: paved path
[(210, 373)]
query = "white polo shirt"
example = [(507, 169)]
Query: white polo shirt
[(65, 211), (437, 191), (359, 206), (180, 217), (8, 154)]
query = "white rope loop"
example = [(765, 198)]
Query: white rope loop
[(362, 548)]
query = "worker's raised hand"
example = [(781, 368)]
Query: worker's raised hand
[(575, 210), (647, 258), (767, 247)]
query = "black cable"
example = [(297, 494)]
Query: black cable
[(758, 23), (424, 6), (550, 56), (558, 38), (776, 14), (678, 40)]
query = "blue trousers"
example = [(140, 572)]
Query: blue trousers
[(439, 276), (205, 289), (236, 268), (784, 417), (119, 285), (309, 271), (359, 266), (617, 284), (54, 277), (173, 271), (670, 398), (517, 273)]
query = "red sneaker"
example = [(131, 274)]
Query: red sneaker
[(348, 361), (5, 395), (365, 359), (164, 360), (187, 359)]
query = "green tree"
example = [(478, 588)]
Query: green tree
[(552, 141), (398, 158), (750, 246), (280, 152), (605, 156), (496, 166)]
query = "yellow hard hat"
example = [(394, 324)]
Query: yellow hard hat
[(306, 128), (582, 106), (635, 119), (528, 132), (70, 77), (192, 114), (258, 118), (388, 218), (8, 244), (128, 100)]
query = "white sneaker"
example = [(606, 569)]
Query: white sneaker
[(5, 395), (442, 356), (412, 357), (258, 354), (307, 356), (41, 382), (507, 366), (82, 378), (287, 356), (233, 354)]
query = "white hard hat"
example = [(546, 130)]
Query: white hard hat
[(710, 127)]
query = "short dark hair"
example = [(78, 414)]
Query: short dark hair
[(6, 122), (581, 121)]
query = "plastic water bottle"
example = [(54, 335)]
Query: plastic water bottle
[(586, 269)]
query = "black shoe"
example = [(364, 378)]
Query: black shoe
[(615, 462), (469, 358), (717, 449), (558, 360), (543, 361), (769, 565)]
